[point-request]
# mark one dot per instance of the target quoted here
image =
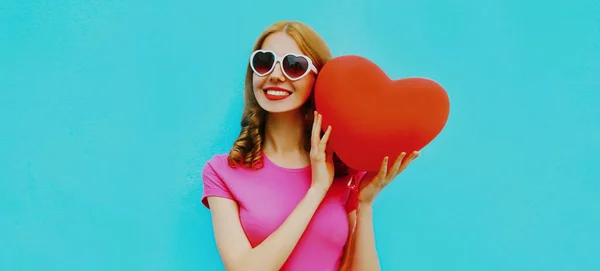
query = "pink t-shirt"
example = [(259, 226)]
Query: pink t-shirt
[(267, 196)]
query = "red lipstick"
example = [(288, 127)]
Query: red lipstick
[(276, 93)]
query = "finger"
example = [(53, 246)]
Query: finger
[(395, 170), (396, 167), (319, 121), (318, 128), (314, 138), (412, 157), (323, 143), (415, 154), (383, 169)]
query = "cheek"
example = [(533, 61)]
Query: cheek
[(257, 82), (304, 85)]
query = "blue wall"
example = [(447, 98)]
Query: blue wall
[(108, 110)]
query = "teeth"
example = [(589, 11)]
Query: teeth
[(277, 92)]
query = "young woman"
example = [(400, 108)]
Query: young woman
[(280, 199)]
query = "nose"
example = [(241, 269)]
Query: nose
[(277, 74)]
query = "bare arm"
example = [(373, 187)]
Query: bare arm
[(271, 254), (236, 252), (364, 250)]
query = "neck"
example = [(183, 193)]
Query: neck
[(284, 133)]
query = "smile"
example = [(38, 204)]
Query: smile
[(275, 94)]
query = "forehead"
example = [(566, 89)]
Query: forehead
[(281, 43)]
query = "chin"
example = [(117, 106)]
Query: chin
[(279, 108)]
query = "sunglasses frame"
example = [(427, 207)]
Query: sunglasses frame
[(311, 66)]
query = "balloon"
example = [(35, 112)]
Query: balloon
[(373, 116)]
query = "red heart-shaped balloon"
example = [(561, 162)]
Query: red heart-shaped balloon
[(373, 116)]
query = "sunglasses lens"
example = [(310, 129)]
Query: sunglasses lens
[(295, 66), (262, 62)]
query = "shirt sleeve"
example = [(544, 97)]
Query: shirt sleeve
[(352, 202), (213, 184)]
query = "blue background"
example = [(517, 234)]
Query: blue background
[(108, 110)]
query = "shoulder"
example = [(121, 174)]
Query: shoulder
[(217, 161), (214, 166), (218, 166), (213, 178)]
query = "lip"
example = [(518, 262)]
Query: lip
[(277, 88), (276, 97)]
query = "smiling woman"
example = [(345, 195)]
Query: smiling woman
[(282, 73), (280, 200)]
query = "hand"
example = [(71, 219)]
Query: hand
[(372, 183), (321, 158)]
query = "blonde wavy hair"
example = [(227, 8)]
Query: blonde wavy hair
[(247, 148)]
